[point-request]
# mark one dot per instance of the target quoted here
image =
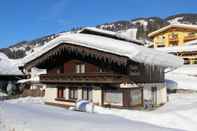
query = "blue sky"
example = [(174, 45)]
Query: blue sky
[(29, 19)]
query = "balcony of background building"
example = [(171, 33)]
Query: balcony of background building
[(173, 37), (190, 36)]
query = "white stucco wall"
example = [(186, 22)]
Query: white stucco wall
[(161, 95), (161, 92), (50, 93), (79, 93), (97, 95), (66, 93)]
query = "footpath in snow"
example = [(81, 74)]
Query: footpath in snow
[(29, 114)]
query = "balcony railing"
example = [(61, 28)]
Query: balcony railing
[(83, 78), (190, 37), (173, 37)]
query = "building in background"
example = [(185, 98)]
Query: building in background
[(173, 35), (9, 75), (177, 39)]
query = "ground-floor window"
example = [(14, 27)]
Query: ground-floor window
[(60, 92), (87, 94), (135, 97), (113, 97), (73, 93)]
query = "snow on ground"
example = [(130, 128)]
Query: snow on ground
[(2, 94), (184, 77), (181, 81), (180, 113), (30, 116)]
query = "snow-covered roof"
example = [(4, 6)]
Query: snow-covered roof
[(174, 49), (186, 26), (8, 66), (118, 47), (97, 30), (125, 35)]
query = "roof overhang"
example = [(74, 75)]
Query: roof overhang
[(111, 46)]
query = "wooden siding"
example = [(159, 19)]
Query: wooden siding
[(91, 78), (65, 50), (133, 73), (62, 60)]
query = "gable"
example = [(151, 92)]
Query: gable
[(72, 51)]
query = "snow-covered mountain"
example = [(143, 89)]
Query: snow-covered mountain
[(142, 26)]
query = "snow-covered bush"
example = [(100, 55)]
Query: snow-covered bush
[(85, 106)]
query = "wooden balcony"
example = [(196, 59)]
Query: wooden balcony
[(173, 38), (83, 78), (190, 37)]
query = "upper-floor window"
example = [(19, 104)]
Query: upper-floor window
[(80, 68), (100, 70), (161, 37)]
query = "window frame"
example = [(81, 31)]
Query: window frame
[(60, 92), (80, 68), (88, 92), (73, 93)]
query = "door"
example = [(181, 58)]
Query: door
[(136, 97), (154, 95)]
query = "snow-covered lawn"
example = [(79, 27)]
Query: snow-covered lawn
[(18, 115), (29, 114), (180, 113)]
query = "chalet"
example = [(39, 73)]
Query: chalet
[(173, 35), (9, 73), (175, 39), (102, 67)]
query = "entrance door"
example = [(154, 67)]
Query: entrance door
[(132, 97), (113, 97), (154, 95), (136, 97)]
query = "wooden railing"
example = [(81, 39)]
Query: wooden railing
[(190, 37), (83, 78), (173, 37)]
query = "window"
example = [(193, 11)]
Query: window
[(80, 68), (191, 33), (73, 93), (60, 92), (113, 97), (87, 94), (100, 70), (135, 97), (154, 95), (160, 45), (60, 69), (186, 61)]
